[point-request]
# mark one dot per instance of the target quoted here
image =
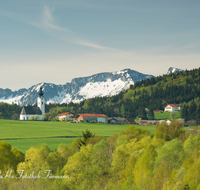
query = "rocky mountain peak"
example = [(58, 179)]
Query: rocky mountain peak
[(100, 84)]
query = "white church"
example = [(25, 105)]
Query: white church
[(28, 111)]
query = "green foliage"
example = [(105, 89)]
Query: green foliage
[(6, 156), (131, 159), (122, 110), (15, 116), (36, 117), (9, 111), (191, 110), (31, 118), (151, 115), (144, 167), (85, 137), (172, 153), (172, 114), (170, 131)]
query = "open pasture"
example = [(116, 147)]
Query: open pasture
[(25, 134), (166, 115)]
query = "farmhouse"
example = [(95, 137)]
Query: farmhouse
[(28, 111), (120, 120), (172, 107), (91, 117), (65, 116)]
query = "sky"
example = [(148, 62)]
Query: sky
[(54, 41)]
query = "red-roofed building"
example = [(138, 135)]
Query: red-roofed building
[(65, 116), (172, 107), (91, 117), (157, 111)]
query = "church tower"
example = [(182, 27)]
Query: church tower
[(41, 101)]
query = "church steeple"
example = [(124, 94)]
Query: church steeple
[(40, 92), (41, 101)]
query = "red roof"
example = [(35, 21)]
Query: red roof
[(91, 115), (66, 113), (173, 105)]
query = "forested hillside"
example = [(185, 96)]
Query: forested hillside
[(153, 93)]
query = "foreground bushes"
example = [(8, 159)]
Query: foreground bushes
[(131, 160)]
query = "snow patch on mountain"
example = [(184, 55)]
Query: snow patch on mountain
[(91, 90), (173, 70), (11, 99)]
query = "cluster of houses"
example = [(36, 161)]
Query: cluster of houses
[(93, 117)]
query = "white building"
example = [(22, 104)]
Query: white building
[(28, 111), (172, 107), (91, 117), (65, 116)]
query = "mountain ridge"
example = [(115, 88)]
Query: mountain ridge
[(100, 84)]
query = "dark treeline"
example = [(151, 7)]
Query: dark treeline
[(152, 93), (191, 110), (9, 111)]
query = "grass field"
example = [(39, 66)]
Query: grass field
[(166, 115), (25, 134)]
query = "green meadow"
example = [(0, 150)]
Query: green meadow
[(166, 115), (25, 134)]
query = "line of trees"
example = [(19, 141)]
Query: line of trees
[(191, 110)]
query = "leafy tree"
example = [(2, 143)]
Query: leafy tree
[(162, 176), (142, 114), (172, 114), (85, 136), (96, 172), (150, 114), (172, 152), (169, 132), (15, 116), (75, 167), (34, 159), (144, 168), (122, 110), (18, 157), (94, 140), (31, 118), (36, 117), (44, 117), (53, 162), (112, 142), (6, 157), (121, 155)]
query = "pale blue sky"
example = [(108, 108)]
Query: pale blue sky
[(57, 40)]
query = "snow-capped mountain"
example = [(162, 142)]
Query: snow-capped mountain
[(102, 84), (173, 70)]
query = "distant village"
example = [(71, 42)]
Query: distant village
[(31, 111), (94, 117)]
